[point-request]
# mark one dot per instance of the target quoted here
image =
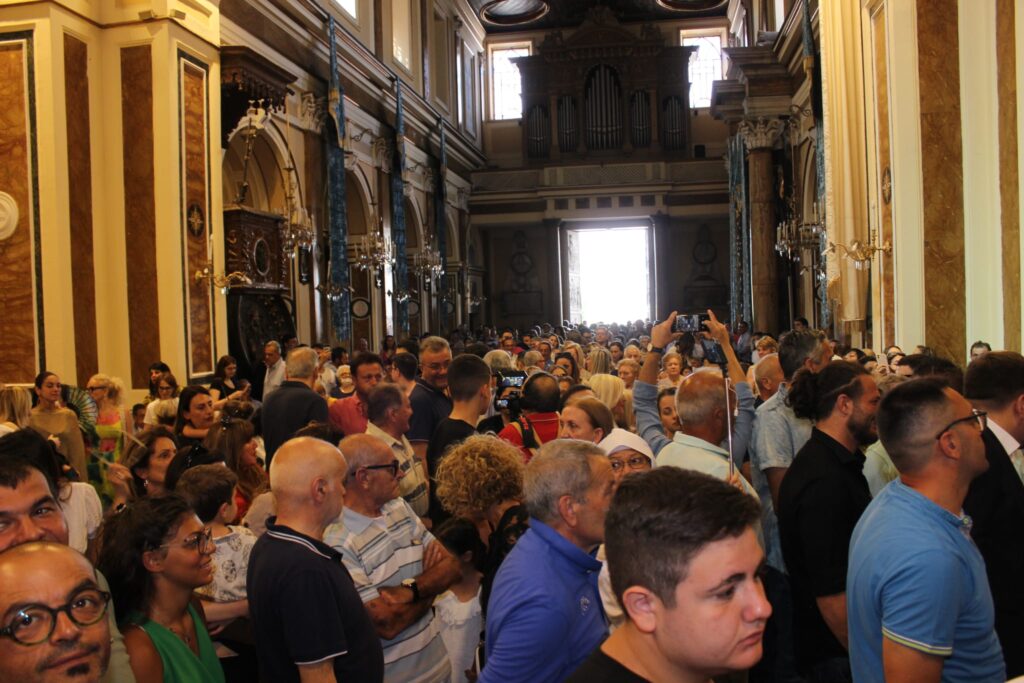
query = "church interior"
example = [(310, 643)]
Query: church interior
[(183, 179)]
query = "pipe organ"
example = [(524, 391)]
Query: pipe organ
[(605, 90)]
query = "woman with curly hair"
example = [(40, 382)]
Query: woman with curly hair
[(155, 553), (481, 480), (236, 440)]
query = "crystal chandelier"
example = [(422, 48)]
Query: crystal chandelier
[(792, 236), (426, 264), (375, 253)]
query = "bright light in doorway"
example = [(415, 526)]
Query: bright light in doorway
[(614, 281)]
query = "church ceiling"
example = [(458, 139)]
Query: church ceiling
[(519, 15)]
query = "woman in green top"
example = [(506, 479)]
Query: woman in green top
[(155, 553)]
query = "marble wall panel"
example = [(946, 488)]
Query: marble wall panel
[(1009, 188), (18, 362), (885, 180), (942, 176), (139, 210), (83, 271), (196, 215)]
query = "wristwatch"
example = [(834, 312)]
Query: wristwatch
[(656, 349), (411, 585)]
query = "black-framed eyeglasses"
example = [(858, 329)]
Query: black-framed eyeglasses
[(979, 415), (34, 624), (391, 467), (635, 462), (436, 367), (197, 542)]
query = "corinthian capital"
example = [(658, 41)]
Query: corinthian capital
[(761, 134)]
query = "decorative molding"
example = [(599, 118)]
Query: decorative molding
[(8, 215), (462, 199), (761, 134), (312, 112), (383, 151)]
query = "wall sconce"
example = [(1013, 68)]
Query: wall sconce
[(860, 253), (222, 282)]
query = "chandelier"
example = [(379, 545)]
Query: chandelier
[(375, 252), (426, 263), (792, 236)]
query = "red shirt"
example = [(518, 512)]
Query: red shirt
[(348, 415), (545, 428)]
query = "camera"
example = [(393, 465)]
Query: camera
[(509, 400), (691, 322), (713, 352)]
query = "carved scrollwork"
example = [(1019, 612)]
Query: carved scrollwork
[(312, 111), (761, 134), (383, 152)]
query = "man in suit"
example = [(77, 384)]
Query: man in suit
[(994, 383), (294, 404)]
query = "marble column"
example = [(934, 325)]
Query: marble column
[(760, 137)]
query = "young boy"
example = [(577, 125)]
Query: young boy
[(209, 489)]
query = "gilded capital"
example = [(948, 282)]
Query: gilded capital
[(761, 134)]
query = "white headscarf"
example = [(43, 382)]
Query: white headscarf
[(620, 439)]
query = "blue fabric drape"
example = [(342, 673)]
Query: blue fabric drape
[(441, 200), (337, 205), (398, 214)]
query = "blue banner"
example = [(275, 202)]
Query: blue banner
[(401, 283), (337, 207), (441, 201)]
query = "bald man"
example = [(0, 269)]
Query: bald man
[(51, 601), (768, 376), (308, 620)]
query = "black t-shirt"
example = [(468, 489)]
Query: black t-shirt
[(821, 499), (305, 609), (429, 407), (600, 668), (447, 433)]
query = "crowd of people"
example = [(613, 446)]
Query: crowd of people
[(651, 501)]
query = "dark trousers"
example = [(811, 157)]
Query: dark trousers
[(778, 663)]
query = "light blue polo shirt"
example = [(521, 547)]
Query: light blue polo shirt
[(917, 578)]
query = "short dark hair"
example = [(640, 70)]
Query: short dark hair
[(541, 394), (802, 321), (995, 379), (187, 458), (460, 536), (570, 392), (383, 398), (659, 520), (904, 415), (814, 395), (337, 352), (319, 430), (26, 450), (981, 345), (365, 358), (206, 488), (406, 364), (466, 375), (942, 369), (412, 346), (795, 347)]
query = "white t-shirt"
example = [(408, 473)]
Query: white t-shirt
[(230, 563), (461, 623), (83, 513)]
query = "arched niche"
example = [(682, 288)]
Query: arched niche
[(356, 205), (266, 174)]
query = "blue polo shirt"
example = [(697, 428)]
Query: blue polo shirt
[(545, 615), (917, 578)]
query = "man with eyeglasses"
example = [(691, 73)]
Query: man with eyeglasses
[(430, 400), (30, 513), (994, 382), (920, 609), (53, 624), (398, 567)]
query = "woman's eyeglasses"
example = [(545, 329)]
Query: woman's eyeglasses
[(197, 542), (635, 462)]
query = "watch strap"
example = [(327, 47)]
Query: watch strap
[(657, 349)]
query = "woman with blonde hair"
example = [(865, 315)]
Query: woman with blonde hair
[(15, 409), (611, 391), (111, 423), (672, 365), (599, 361), (481, 480)]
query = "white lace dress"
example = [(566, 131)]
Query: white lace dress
[(461, 623)]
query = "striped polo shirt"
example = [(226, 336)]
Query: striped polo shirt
[(384, 551), (413, 486)]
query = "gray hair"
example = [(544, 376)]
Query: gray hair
[(275, 344), (434, 345), (382, 398), (562, 468), (301, 363), (498, 359), (694, 407), (532, 357)]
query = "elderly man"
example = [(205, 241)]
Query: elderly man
[(430, 404), (544, 615), (396, 564), (995, 383), (348, 415), (54, 616), (29, 513), (685, 564), (918, 598), (822, 497), (275, 373), (308, 621), (389, 412), (294, 405), (768, 376)]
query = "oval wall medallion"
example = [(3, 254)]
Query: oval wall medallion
[(360, 308), (8, 215)]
